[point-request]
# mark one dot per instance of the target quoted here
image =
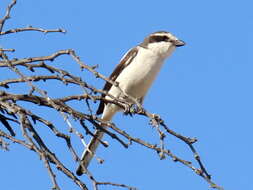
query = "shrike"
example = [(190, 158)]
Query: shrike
[(135, 74)]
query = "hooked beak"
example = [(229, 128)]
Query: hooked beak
[(179, 43)]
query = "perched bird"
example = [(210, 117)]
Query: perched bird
[(135, 74)]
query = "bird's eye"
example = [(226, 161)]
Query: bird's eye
[(158, 39), (165, 38)]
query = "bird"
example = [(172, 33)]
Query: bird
[(134, 74)]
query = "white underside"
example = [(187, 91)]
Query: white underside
[(136, 79)]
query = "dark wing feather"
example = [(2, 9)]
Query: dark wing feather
[(124, 62)]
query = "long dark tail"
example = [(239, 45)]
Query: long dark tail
[(89, 152)]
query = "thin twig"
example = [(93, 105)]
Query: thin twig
[(7, 14), (30, 28), (10, 50), (116, 185)]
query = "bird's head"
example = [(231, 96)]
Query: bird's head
[(162, 43)]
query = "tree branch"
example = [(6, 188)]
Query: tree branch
[(7, 14), (30, 28)]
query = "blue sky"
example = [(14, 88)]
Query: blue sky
[(204, 90)]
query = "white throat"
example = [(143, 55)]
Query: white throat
[(162, 49)]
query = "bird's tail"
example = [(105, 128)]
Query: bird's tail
[(89, 152)]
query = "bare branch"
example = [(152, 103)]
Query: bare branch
[(16, 62), (116, 185), (7, 14), (30, 28), (10, 50), (23, 143), (36, 78)]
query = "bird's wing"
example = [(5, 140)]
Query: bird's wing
[(124, 62)]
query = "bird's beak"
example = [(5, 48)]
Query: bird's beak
[(179, 43)]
